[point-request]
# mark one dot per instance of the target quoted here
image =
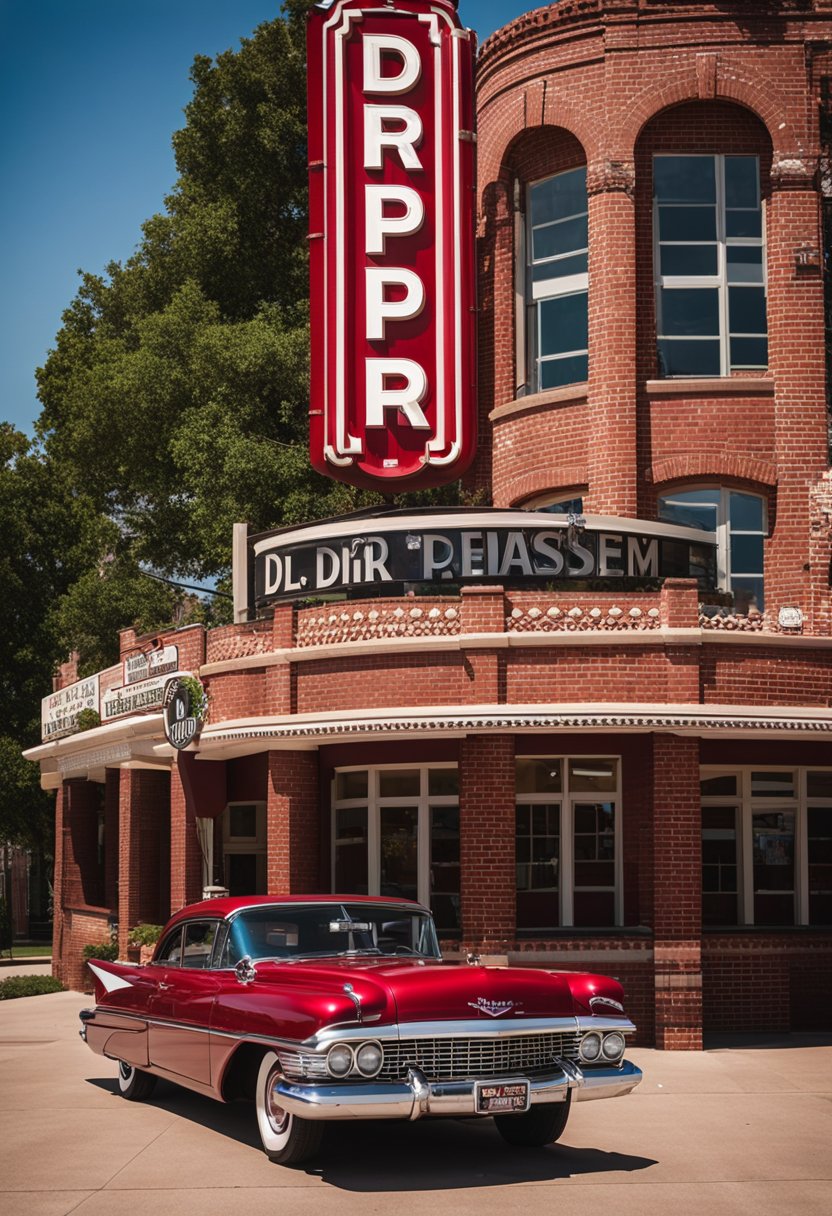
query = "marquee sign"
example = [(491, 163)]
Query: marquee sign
[(462, 548), (59, 711), (391, 206)]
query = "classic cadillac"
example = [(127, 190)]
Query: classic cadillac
[(334, 1007)]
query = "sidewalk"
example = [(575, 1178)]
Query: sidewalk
[(739, 1131), (36, 964)]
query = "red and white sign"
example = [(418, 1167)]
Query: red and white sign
[(391, 182)]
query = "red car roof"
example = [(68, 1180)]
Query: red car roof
[(225, 907)]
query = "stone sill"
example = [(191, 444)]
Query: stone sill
[(693, 386), (569, 395)]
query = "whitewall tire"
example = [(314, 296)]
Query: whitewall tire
[(286, 1139)]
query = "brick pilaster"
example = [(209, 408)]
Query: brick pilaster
[(111, 801), (185, 853), (486, 839), (482, 610), (677, 880), (293, 824)]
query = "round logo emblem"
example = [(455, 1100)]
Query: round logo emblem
[(182, 717)]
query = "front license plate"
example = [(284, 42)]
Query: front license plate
[(501, 1097)]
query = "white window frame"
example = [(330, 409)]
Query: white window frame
[(568, 800), (723, 531), (720, 280), (747, 806), (375, 804), (238, 846), (530, 294)]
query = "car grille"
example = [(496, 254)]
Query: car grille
[(446, 1059)]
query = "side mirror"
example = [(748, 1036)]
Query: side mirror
[(245, 970)]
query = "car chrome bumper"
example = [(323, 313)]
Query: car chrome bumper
[(418, 1097)]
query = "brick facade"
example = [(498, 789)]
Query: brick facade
[(587, 671)]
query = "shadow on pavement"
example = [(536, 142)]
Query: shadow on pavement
[(430, 1155)]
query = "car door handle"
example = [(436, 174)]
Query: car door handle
[(164, 987)]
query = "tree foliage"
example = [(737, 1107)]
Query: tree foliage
[(178, 385)]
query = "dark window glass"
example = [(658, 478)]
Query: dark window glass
[(724, 784), (555, 373), (687, 223), (443, 781), (560, 269), (589, 775), (684, 179), (242, 822), (444, 869), (538, 776), (537, 864), (594, 909), (746, 554), (819, 784), (566, 506), (746, 512), (351, 850), (773, 784), (559, 197), (743, 223), (170, 953), (689, 260), (748, 593), (351, 785), (747, 310), (719, 866), (399, 783), (682, 358), (745, 264), (399, 852), (741, 181), (555, 239), (749, 352), (690, 311), (563, 324), (773, 855)]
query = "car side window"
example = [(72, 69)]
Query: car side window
[(198, 944), (170, 954)]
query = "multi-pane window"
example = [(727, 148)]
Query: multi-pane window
[(395, 832), (766, 847), (709, 265), (556, 280), (567, 852), (739, 521)]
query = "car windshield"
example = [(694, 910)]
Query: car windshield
[(329, 931)]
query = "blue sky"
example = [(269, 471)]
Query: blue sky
[(90, 93)]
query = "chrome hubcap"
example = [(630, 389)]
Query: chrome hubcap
[(125, 1070)]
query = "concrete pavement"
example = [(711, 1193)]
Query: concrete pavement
[(733, 1131)]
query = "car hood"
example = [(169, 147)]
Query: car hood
[(414, 991)]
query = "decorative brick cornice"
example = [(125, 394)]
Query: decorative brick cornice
[(794, 172)]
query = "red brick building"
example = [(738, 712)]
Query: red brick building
[(632, 775)]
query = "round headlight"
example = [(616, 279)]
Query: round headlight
[(591, 1046), (613, 1046), (369, 1059), (340, 1060)]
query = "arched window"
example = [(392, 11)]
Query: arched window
[(709, 265), (556, 281), (740, 523)]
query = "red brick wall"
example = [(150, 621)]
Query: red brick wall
[(486, 839), (293, 824)]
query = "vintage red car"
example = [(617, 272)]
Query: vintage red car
[(340, 1007)]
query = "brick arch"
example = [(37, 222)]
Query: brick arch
[(682, 86), (704, 465), (517, 490), (496, 164)]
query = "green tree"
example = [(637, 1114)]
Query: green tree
[(177, 390)]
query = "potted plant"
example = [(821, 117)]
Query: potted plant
[(142, 942)]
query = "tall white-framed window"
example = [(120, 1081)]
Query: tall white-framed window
[(395, 832), (709, 260), (555, 257), (568, 842), (740, 521), (244, 848), (766, 846)]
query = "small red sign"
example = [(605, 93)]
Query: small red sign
[(391, 206)]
